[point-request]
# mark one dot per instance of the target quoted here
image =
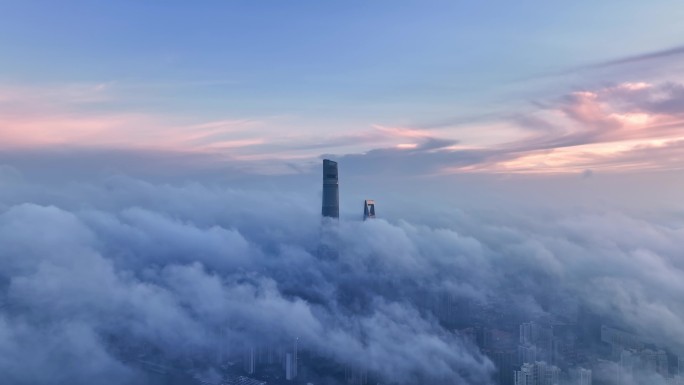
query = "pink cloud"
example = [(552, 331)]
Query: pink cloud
[(603, 129), (587, 107), (73, 116), (33, 117), (599, 128)]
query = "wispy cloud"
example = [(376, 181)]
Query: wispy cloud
[(609, 128), (81, 115), (654, 55), (628, 126), (88, 116)]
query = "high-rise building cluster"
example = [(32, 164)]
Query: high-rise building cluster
[(580, 376), (559, 351), (634, 356), (356, 376), (276, 361), (537, 373)]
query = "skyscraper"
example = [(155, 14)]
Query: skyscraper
[(331, 190), (538, 373), (295, 357), (249, 360), (289, 367), (368, 209), (505, 361), (524, 376), (291, 361), (583, 376)]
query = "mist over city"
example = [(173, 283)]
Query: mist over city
[(341, 193)]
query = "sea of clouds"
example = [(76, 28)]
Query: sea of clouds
[(174, 268)]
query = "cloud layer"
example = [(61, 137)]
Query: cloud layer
[(93, 272)]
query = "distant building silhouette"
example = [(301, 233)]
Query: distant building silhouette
[(505, 361), (291, 363), (289, 367), (538, 373), (368, 209), (249, 360), (356, 376), (581, 376)]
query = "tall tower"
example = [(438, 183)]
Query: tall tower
[(331, 190), (368, 209)]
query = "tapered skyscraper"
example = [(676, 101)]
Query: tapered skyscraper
[(331, 190)]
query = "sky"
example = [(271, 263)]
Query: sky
[(269, 87)]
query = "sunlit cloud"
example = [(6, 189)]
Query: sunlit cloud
[(607, 157), (599, 129), (402, 132), (627, 127), (635, 86), (602, 129), (77, 116)]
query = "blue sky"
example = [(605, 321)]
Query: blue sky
[(262, 80)]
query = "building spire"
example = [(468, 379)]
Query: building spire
[(368, 209)]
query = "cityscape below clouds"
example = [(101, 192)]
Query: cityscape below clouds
[(341, 193)]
